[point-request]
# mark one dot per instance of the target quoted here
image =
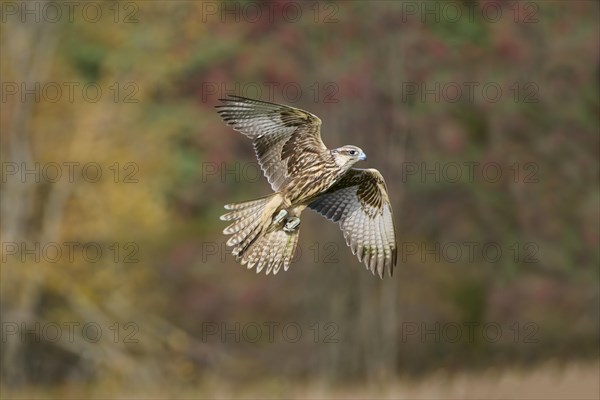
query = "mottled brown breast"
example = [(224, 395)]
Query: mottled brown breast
[(312, 175)]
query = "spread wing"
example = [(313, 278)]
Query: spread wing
[(280, 134), (360, 203)]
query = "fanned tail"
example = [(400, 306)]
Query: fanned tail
[(254, 238), (249, 218), (271, 251)]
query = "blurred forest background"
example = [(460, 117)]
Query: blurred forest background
[(148, 299)]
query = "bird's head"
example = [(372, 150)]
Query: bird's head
[(347, 156)]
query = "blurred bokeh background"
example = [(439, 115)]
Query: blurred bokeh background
[(482, 117)]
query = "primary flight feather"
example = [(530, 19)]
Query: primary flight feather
[(304, 173)]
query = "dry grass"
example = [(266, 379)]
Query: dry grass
[(575, 380)]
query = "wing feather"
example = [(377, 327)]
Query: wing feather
[(280, 134), (360, 203)]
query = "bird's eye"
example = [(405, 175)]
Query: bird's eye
[(352, 152)]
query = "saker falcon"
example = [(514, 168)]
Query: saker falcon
[(304, 173)]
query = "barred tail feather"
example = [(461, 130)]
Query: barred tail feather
[(271, 251), (250, 219)]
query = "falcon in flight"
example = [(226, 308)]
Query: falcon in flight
[(304, 173)]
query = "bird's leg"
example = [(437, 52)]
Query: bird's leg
[(291, 224), (279, 217)]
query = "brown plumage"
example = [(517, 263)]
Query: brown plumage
[(304, 173)]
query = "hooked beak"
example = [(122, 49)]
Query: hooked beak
[(362, 156)]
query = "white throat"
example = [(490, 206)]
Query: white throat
[(339, 160)]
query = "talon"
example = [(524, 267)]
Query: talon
[(279, 217), (291, 224)]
